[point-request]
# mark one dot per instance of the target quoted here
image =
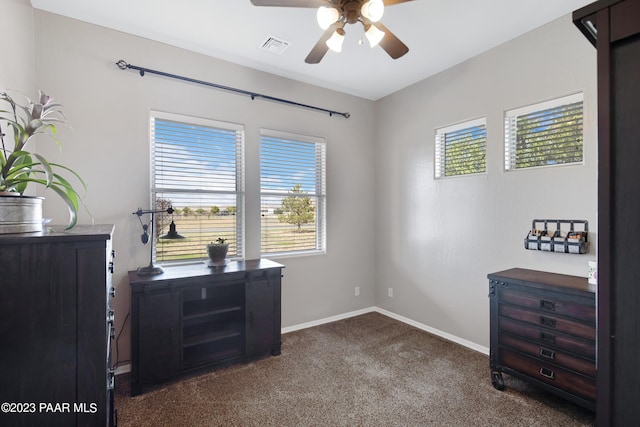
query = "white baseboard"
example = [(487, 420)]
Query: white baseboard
[(327, 320), (471, 345), (434, 331), (422, 326)]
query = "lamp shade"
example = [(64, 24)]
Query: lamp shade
[(374, 35), (172, 233), (335, 41), (327, 16), (373, 10)]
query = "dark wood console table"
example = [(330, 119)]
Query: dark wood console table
[(543, 330), (195, 317)]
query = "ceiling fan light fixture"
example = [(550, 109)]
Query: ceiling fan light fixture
[(373, 10), (327, 16), (374, 35), (335, 41)]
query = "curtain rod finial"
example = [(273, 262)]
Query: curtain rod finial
[(122, 64)]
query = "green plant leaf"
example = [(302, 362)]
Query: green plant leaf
[(68, 188), (71, 207), (78, 177), (47, 168), (19, 168)]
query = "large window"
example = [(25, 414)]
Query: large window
[(545, 134), (461, 149), (292, 186), (197, 167)]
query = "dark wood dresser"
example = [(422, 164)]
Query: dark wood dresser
[(195, 317), (56, 326), (543, 330)]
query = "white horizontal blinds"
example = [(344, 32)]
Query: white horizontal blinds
[(292, 186), (545, 134), (461, 149), (198, 168)]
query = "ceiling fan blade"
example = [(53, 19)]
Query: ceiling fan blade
[(321, 48), (289, 3), (392, 2), (390, 43)]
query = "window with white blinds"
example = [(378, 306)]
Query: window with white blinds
[(544, 134), (461, 149), (292, 192), (198, 168)]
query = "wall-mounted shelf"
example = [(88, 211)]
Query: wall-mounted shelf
[(558, 235)]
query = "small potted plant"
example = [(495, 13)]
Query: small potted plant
[(19, 167), (217, 252)]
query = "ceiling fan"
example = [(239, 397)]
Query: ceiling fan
[(332, 17)]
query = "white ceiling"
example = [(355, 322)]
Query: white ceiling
[(439, 33)]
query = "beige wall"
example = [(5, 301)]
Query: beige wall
[(435, 241), (109, 146), (442, 237), (17, 69), (16, 33)]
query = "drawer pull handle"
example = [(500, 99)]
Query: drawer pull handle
[(548, 337), (548, 305), (547, 373), (548, 354), (547, 321)]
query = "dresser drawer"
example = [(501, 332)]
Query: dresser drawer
[(549, 374), (549, 354), (586, 348), (549, 321), (585, 312)]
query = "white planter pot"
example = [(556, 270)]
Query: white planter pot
[(20, 214), (217, 254)]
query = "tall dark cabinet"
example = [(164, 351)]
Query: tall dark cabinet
[(613, 27), (55, 327)]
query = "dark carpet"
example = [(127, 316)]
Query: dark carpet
[(369, 370)]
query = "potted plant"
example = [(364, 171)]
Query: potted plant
[(20, 167), (217, 252)]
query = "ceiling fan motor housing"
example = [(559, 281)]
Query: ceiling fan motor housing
[(351, 11)]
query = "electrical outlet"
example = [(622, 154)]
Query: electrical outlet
[(357, 291), (390, 292)]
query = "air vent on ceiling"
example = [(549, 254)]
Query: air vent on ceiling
[(275, 45)]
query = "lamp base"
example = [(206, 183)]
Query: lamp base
[(150, 270)]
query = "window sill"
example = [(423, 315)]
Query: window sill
[(275, 255)]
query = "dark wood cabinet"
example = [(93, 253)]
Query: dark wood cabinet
[(194, 317), (543, 330), (158, 314), (56, 326), (261, 324), (613, 27)]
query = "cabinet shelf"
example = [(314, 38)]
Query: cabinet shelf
[(191, 315), (206, 354), (210, 332), (214, 300)]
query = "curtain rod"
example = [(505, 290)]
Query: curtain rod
[(123, 66)]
